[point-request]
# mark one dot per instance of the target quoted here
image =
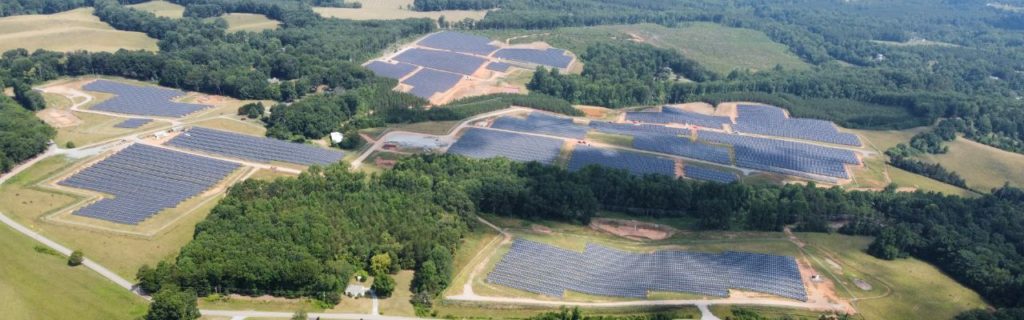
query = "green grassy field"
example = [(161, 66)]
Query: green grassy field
[(726, 312), (68, 31), (399, 303), (984, 167), (249, 22), (721, 49), (395, 9), (428, 127), (37, 285), (249, 127), (881, 140), (901, 289), (161, 8)]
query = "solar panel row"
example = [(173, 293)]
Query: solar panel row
[(635, 163), (391, 70), (483, 143), (551, 57), (441, 60), (142, 100), (702, 173), (145, 180), (767, 120), (253, 148), (669, 115), (459, 42), (132, 123), (784, 156), (599, 270), (539, 122), (498, 66), (427, 82)]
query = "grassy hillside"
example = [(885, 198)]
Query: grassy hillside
[(249, 22), (39, 285), (161, 8), (396, 9), (983, 167), (68, 31)]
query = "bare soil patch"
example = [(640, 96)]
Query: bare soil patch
[(59, 118), (632, 229)]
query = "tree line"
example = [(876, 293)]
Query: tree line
[(22, 135)]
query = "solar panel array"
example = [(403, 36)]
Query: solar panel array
[(133, 123), (253, 148), (442, 60), (599, 270), (483, 143), (539, 122), (459, 42), (636, 163), (702, 173), (426, 82), (786, 157), (551, 57), (498, 66), (666, 140), (670, 115), (768, 120), (142, 100), (391, 70), (637, 129), (145, 180)]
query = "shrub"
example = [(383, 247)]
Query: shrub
[(76, 258)]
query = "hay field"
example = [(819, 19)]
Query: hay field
[(72, 30), (983, 167), (40, 285), (161, 8), (395, 9), (249, 22)]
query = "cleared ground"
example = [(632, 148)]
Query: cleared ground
[(984, 167), (249, 22), (161, 8), (40, 285), (396, 9), (72, 30)]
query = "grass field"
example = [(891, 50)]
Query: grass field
[(249, 127), (428, 127), (984, 167), (726, 312), (719, 48), (396, 9), (881, 140), (68, 31), (901, 289), (37, 285), (249, 22), (903, 178), (97, 128), (161, 8), (399, 303)]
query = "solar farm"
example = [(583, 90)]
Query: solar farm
[(635, 163), (483, 143), (144, 181), (253, 148), (142, 100), (598, 270), (438, 62)]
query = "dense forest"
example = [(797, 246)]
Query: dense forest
[(22, 135)]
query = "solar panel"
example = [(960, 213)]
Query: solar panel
[(599, 270), (551, 57), (635, 163), (483, 143), (672, 115), (391, 70), (441, 60), (772, 121), (145, 180), (539, 122), (427, 82), (132, 123), (253, 148), (459, 42), (708, 174), (142, 100), (498, 66)]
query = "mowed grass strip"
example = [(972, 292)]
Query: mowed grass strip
[(38, 285), (161, 8), (71, 30), (395, 9)]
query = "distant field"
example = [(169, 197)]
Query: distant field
[(396, 9), (161, 8), (249, 127), (68, 31), (36, 285), (983, 167), (249, 22), (719, 48)]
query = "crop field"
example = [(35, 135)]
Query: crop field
[(984, 167), (396, 9), (31, 279), (161, 8), (72, 30), (249, 22)]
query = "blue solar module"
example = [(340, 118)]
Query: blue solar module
[(637, 129), (771, 121), (498, 66), (441, 60), (550, 57), (142, 100), (145, 180), (786, 157), (671, 115), (598, 270), (702, 173), (539, 122), (635, 163), (254, 148), (483, 143), (459, 42), (684, 147), (390, 70), (426, 82), (132, 123)]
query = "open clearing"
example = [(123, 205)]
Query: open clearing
[(396, 9), (249, 22), (161, 8), (984, 167), (72, 30), (40, 285)]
